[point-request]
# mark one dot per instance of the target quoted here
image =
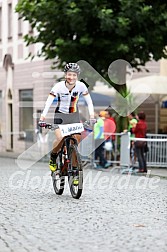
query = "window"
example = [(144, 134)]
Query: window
[(9, 21), (30, 29), (0, 113), (20, 25), (26, 112)]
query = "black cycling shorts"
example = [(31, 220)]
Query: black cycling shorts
[(61, 118)]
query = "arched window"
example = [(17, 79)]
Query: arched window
[(8, 62)]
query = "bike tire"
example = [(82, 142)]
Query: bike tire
[(76, 190), (58, 178)]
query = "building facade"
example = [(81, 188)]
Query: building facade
[(24, 84)]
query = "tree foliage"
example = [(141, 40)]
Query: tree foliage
[(98, 31)]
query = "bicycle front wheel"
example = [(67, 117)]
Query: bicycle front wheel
[(58, 178), (75, 174)]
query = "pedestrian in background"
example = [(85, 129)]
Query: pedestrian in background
[(110, 124), (99, 140), (140, 132), (109, 129), (132, 123)]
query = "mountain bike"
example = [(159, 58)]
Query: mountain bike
[(69, 161)]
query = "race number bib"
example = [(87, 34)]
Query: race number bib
[(72, 128)]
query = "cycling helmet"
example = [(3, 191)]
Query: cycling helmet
[(72, 67)]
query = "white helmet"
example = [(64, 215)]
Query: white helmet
[(72, 67)]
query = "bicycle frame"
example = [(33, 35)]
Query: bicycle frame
[(66, 144)]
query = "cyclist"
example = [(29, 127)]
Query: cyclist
[(67, 93)]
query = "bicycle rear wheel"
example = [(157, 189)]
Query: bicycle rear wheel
[(75, 175), (58, 178)]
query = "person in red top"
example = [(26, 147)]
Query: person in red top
[(109, 129), (109, 125), (140, 132)]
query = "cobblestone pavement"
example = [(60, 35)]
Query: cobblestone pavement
[(116, 213)]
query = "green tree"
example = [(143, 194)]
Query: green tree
[(98, 31)]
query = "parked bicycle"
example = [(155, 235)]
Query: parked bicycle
[(69, 161)]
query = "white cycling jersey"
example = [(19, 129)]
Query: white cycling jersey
[(67, 100)]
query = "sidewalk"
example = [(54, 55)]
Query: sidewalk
[(160, 172), (155, 171)]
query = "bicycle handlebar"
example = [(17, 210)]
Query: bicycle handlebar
[(86, 124)]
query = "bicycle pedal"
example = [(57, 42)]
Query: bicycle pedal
[(55, 173)]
